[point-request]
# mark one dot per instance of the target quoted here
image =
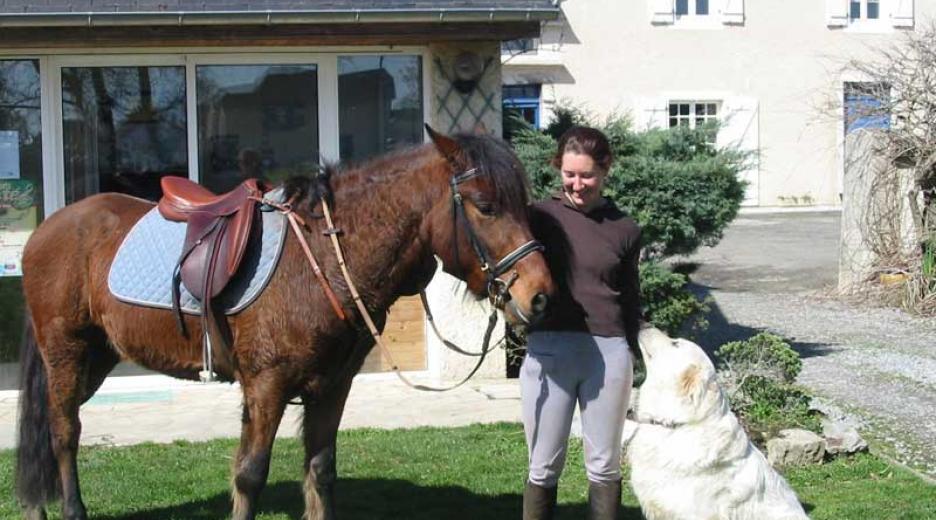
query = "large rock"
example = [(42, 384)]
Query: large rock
[(841, 438), (795, 448)]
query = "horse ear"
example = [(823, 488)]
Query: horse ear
[(445, 144)]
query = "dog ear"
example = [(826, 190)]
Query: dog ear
[(690, 383)]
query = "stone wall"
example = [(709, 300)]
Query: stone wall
[(452, 111), (875, 212), (460, 317)]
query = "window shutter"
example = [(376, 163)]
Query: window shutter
[(662, 12), (902, 15), (739, 129), (836, 13), (733, 12), (652, 113)]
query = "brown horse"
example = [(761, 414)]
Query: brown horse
[(397, 213)]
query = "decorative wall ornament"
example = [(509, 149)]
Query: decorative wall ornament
[(467, 97)]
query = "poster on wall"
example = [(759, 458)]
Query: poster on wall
[(9, 155), (18, 218)]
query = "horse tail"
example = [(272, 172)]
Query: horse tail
[(36, 468)]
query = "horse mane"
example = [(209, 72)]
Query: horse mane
[(305, 191), (495, 161), (492, 157)]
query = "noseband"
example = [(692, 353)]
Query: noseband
[(498, 289)]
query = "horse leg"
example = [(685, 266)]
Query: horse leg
[(40, 460), (319, 432), (67, 366), (101, 361), (264, 403)]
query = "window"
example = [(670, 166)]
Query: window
[(379, 104), (692, 114), (701, 14), (256, 121), (20, 197), (123, 129), (866, 106), (523, 100), (692, 8), (864, 10), (518, 46)]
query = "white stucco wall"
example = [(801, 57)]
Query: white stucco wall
[(608, 57)]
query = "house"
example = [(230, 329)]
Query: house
[(770, 72), (111, 96)]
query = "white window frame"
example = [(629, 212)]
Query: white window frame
[(721, 13), (863, 23), (692, 117), (838, 14), (864, 7), (51, 62), (697, 21), (692, 10)]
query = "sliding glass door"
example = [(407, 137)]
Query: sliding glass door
[(256, 121), (123, 128)]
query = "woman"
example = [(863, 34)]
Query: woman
[(581, 352)]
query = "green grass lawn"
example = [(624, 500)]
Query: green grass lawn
[(428, 473)]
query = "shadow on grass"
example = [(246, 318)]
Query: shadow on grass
[(371, 499)]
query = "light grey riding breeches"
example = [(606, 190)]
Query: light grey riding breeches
[(560, 369)]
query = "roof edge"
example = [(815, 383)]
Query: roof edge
[(271, 17)]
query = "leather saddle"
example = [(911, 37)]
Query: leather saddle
[(217, 235)]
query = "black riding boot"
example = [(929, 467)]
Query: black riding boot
[(604, 500), (539, 502)]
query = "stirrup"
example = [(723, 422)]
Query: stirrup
[(207, 373)]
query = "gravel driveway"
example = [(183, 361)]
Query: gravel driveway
[(774, 272)]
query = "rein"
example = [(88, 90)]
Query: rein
[(378, 338), (498, 289)]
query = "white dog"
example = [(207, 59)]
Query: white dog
[(689, 456)]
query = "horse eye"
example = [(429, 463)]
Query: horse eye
[(486, 208)]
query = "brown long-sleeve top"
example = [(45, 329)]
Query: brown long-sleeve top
[(593, 259)]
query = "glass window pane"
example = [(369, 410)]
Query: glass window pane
[(673, 108), (256, 121), (712, 109), (874, 10), (865, 106), (684, 109), (379, 104), (20, 197), (701, 7), (123, 129), (682, 7), (854, 10)]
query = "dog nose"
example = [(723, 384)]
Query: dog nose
[(539, 303)]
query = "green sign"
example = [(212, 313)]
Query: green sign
[(18, 218)]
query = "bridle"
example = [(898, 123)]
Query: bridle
[(498, 289)]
